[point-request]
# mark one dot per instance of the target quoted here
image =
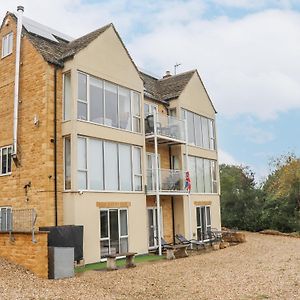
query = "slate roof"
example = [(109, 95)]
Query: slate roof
[(166, 89), (57, 52)]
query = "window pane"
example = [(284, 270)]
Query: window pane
[(123, 245), (208, 216), (137, 168), (96, 100), (123, 222), (81, 154), (104, 248), (82, 180), (207, 176), (114, 231), (4, 160), (137, 160), (200, 175), (190, 127), (124, 108), (204, 122), (111, 166), (111, 105), (67, 96), (211, 135), (104, 223), (125, 167), (198, 131), (198, 216), (192, 164), (81, 111), (136, 104), (9, 160), (3, 219), (95, 164), (67, 163), (82, 87), (136, 124)]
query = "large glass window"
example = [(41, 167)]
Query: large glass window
[(201, 131), (5, 160), (67, 163), (105, 103), (7, 44), (104, 165), (5, 218), (113, 231), (67, 96), (203, 173)]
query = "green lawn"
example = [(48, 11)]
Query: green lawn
[(120, 262)]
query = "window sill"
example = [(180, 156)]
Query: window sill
[(107, 126), (97, 191), (8, 174), (2, 57)]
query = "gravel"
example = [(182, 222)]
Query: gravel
[(265, 267)]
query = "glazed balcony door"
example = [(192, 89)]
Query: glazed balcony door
[(152, 227)]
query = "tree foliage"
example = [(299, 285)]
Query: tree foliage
[(273, 205)]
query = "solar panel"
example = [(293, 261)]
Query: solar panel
[(44, 31)]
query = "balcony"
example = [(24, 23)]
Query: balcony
[(171, 182), (169, 130)]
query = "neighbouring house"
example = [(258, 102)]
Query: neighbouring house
[(88, 139)]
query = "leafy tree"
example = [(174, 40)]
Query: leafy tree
[(281, 210), (240, 199)]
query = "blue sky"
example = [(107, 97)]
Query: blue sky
[(247, 53)]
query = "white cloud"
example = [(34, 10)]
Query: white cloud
[(249, 65)]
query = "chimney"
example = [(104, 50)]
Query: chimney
[(168, 74)]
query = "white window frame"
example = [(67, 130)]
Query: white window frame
[(87, 103), (103, 171), (64, 160), (1, 155), (108, 228), (64, 98), (200, 226), (7, 227), (7, 44), (212, 163), (211, 138)]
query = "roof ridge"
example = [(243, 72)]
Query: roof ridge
[(176, 75)]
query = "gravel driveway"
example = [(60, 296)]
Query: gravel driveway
[(265, 267)]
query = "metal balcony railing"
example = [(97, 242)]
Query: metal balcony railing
[(171, 181), (166, 126)]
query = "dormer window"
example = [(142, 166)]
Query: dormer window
[(7, 44)]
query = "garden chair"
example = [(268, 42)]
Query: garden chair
[(192, 242)]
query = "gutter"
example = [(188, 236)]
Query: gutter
[(55, 145), (20, 10)]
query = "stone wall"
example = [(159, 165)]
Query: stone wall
[(35, 142), (22, 251)]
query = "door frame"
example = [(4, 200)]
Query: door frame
[(155, 221)]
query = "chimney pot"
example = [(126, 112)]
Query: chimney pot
[(168, 74)]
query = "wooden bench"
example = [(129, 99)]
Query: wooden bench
[(112, 258), (176, 251)]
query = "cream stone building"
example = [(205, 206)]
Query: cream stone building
[(87, 139)]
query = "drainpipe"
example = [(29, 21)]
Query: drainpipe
[(55, 145), (20, 10)]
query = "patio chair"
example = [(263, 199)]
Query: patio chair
[(164, 244), (192, 242)]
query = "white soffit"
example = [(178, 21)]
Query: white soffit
[(44, 31)]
